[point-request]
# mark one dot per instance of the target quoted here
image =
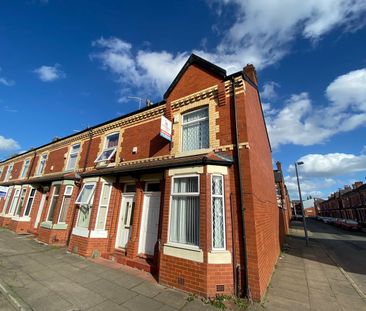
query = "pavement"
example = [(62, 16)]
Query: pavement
[(328, 274), (34, 276)]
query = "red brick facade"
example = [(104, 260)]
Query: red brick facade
[(143, 158)]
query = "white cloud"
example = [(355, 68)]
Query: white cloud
[(268, 90), (8, 144), (5, 81), (331, 164), (261, 32), (310, 124), (49, 73)]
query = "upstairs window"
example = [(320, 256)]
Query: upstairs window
[(110, 148), (9, 171), (185, 211), (74, 152), (41, 164), (25, 168), (195, 130)]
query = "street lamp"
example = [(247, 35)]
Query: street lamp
[(302, 205)]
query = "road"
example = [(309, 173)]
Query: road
[(347, 248)]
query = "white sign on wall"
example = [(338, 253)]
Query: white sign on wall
[(3, 191), (166, 128)]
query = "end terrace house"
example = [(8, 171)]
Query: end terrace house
[(183, 188)]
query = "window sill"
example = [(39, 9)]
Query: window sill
[(219, 257), (23, 218), (184, 252), (102, 234), (193, 152), (59, 226), (46, 224), (83, 232)]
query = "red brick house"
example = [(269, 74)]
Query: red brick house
[(199, 211)]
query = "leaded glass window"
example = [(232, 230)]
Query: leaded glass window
[(218, 212), (195, 130)]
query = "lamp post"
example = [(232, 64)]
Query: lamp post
[(302, 205)]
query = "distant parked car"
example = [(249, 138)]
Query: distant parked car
[(328, 220), (350, 224)]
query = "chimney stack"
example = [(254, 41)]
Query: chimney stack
[(249, 70), (279, 166)]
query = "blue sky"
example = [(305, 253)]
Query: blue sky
[(66, 65)]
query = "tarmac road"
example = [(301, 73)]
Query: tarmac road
[(347, 248)]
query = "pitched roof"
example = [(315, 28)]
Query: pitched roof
[(200, 62)]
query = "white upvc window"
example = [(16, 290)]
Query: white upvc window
[(9, 171), (185, 211), (30, 201), (41, 164), (14, 201), (74, 152), (20, 201), (7, 199), (65, 204), (195, 133), (218, 212), (25, 168), (85, 200), (110, 148), (55, 195), (103, 207)]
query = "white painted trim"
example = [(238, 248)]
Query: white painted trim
[(219, 257), (216, 169), (99, 234), (90, 180), (84, 232), (184, 253), (186, 170), (21, 219)]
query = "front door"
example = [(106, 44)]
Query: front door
[(40, 209), (150, 223), (125, 220)]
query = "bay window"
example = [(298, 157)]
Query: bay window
[(74, 152), (65, 204), (110, 148), (85, 200), (14, 201), (103, 207), (195, 134), (20, 202), (218, 212), (30, 202), (51, 211), (184, 211)]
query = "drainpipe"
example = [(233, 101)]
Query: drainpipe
[(241, 195), (88, 150)]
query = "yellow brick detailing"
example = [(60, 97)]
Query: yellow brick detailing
[(239, 86), (194, 101)]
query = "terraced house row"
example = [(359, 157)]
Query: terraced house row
[(183, 188)]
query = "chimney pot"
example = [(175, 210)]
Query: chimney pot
[(250, 71)]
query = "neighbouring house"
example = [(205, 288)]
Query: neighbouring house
[(347, 203), (283, 202), (183, 188)]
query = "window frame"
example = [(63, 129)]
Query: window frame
[(77, 201), (9, 171), (223, 214), (105, 149), (71, 153), (25, 169), (206, 107), (23, 193), (63, 201), (12, 201), (100, 205), (51, 201), (45, 157), (187, 194), (29, 197)]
